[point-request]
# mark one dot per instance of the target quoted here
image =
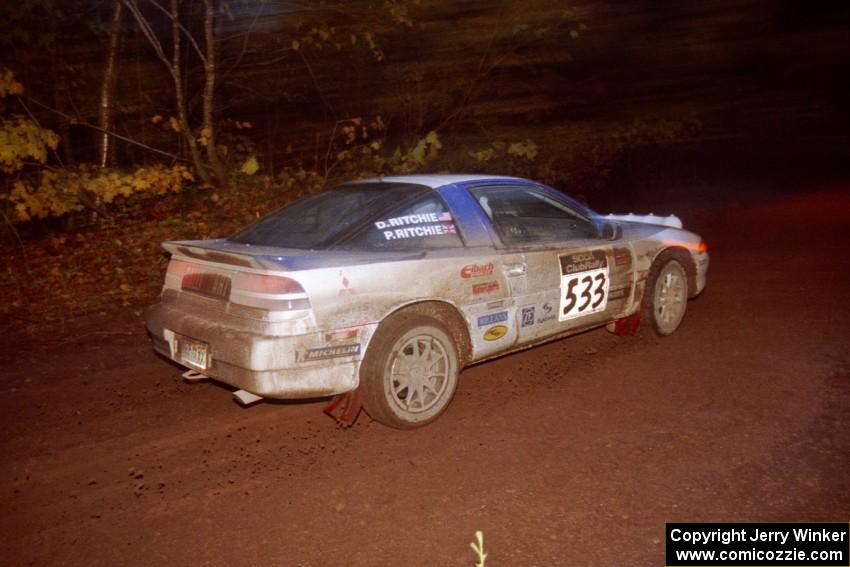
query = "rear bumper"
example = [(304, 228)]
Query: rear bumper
[(254, 355)]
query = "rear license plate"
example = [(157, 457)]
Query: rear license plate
[(195, 353)]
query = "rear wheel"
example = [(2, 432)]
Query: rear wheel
[(410, 372), (666, 295)]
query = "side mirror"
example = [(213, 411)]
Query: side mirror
[(612, 231)]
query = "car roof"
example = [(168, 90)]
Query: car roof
[(439, 179)]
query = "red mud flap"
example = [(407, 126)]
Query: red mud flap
[(345, 408), (627, 325)]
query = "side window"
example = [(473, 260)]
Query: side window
[(525, 216), (424, 225)]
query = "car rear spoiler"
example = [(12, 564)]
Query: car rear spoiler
[(192, 250), (278, 259)]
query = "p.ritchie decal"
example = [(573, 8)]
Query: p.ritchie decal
[(416, 226)]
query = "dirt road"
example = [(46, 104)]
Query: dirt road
[(574, 453)]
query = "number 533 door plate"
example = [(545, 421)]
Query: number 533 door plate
[(584, 284)]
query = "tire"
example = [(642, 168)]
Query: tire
[(666, 297), (410, 371)]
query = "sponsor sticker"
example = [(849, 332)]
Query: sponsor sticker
[(583, 262), (495, 333), (620, 293), (528, 316), (416, 226), (492, 318), (408, 220), (548, 313), (342, 335), (486, 287), (324, 353), (420, 231), (584, 284), (477, 270)]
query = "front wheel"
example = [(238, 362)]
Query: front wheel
[(666, 295), (410, 372)]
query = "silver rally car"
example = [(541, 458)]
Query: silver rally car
[(384, 289)]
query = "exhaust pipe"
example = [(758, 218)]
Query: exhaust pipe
[(246, 398), (194, 376)]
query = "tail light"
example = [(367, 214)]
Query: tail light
[(275, 293), (702, 247), (179, 268), (188, 276), (177, 271)]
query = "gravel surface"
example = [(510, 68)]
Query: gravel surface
[(573, 453)]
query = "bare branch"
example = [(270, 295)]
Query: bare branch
[(476, 78), (103, 130), (149, 34), (316, 84), (182, 28), (244, 49)]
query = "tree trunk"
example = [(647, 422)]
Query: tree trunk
[(209, 95), (181, 98), (107, 88), (173, 66)]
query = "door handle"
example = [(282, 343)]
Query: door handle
[(515, 269)]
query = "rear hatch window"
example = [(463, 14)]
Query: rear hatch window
[(359, 216), (321, 220)]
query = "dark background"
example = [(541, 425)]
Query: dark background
[(761, 85)]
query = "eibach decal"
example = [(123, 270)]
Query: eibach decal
[(477, 270)]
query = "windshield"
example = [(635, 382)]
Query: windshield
[(326, 218)]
